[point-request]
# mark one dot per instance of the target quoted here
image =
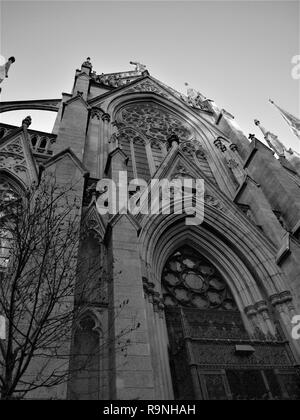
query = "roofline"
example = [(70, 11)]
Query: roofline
[(29, 130)]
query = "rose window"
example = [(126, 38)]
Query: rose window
[(190, 280)]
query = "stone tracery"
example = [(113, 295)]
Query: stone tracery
[(155, 122), (192, 281)]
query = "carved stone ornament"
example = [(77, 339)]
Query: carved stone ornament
[(220, 145), (12, 158), (96, 113), (232, 164), (192, 281), (193, 149), (155, 122), (147, 86)]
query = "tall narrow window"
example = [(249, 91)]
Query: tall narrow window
[(205, 326), (126, 147), (43, 143), (7, 194), (157, 153), (85, 366), (33, 141), (141, 160)]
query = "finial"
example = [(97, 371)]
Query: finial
[(256, 122), (173, 138), (27, 121), (272, 102), (139, 67)]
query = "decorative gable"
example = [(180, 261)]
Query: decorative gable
[(148, 86), (92, 221), (17, 160)]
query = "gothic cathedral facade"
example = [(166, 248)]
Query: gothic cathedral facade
[(210, 305)]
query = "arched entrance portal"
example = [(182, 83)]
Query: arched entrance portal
[(211, 354)]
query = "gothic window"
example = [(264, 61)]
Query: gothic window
[(33, 141), (155, 122), (125, 144), (90, 286), (135, 148), (157, 153), (190, 280), (204, 325), (43, 143), (85, 366), (5, 246), (140, 157), (8, 193), (149, 126)]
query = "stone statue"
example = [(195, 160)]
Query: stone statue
[(87, 63), (4, 69)]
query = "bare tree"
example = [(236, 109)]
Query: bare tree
[(39, 297)]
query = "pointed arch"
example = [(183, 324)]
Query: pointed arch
[(10, 190), (134, 145), (239, 254), (85, 363), (201, 128), (11, 181)]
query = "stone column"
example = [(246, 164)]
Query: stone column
[(72, 129), (92, 149), (106, 146), (132, 371), (159, 386), (150, 159)]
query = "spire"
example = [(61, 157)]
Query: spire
[(293, 122), (262, 128), (272, 140)]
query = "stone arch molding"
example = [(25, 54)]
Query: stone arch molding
[(13, 181), (203, 131), (200, 126), (248, 266), (41, 105), (115, 100), (96, 315)]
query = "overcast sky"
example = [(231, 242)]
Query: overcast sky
[(236, 52)]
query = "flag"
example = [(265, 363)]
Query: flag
[(293, 122)]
